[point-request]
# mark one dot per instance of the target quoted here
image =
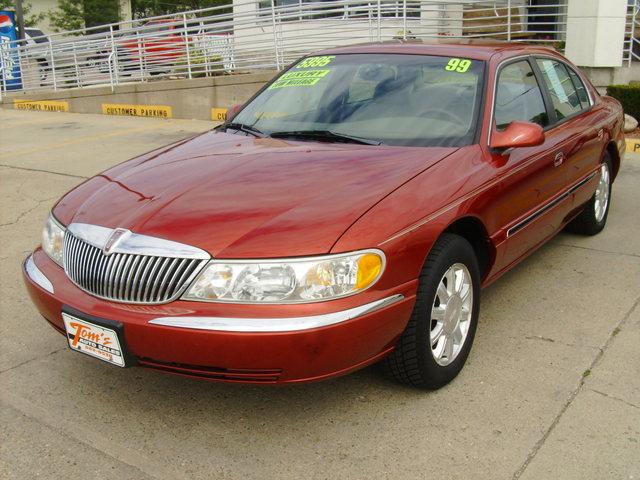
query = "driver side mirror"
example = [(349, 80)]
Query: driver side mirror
[(233, 111), (517, 134)]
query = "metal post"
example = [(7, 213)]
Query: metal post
[(379, 20), (75, 64), (275, 37), (634, 12), (110, 64), (140, 56), (404, 19), (508, 20), (186, 43), (53, 67), (114, 55), (370, 18), (18, 50)]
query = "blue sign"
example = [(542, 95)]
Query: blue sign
[(10, 76)]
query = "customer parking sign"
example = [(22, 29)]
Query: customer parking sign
[(10, 77)]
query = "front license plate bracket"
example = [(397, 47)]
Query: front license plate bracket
[(96, 337)]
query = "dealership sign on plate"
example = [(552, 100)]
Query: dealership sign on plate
[(93, 340)]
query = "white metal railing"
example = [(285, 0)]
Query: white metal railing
[(632, 33), (263, 34)]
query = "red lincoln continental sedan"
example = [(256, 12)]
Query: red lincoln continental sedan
[(349, 213)]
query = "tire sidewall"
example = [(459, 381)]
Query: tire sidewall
[(458, 250)]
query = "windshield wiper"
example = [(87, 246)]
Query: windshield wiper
[(324, 135), (242, 128)]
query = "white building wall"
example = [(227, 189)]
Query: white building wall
[(43, 7), (595, 32)]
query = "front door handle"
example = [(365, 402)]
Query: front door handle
[(559, 159)]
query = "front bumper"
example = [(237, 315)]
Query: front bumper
[(289, 343)]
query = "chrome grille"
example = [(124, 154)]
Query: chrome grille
[(127, 277)]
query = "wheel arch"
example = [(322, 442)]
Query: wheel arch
[(612, 150), (474, 231)]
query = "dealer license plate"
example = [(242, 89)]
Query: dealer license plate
[(94, 340)]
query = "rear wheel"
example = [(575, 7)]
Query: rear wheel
[(437, 340), (593, 218)]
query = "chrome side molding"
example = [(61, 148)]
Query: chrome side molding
[(37, 276), (548, 206), (290, 324)]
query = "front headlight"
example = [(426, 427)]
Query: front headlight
[(52, 236), (289, 280)]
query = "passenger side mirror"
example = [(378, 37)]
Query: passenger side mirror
[(233, 111), (518, 134)]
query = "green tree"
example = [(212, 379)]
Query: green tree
[(68, 16), (78, 14), (101, 12), (30, 19)]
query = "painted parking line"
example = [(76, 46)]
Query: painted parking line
[(8, 123), (86, 139)]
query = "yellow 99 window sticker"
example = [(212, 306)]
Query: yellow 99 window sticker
[(460, 65), (316, 61)]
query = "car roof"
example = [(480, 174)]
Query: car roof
[(470, 48)]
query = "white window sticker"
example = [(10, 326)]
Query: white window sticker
[(556, 84)]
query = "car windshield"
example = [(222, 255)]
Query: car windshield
[(411, 100)]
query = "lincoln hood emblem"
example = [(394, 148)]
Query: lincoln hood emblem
[(116, 237)]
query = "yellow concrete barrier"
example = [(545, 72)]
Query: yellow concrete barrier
[(633, 145), (41, 105), (156, 111), (219, 114)]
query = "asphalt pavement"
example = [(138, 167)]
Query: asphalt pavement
[(551, 389)]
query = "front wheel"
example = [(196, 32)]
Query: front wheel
[(593, 218), (436, 342)]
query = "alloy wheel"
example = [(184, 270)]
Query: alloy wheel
[(602, 194), (451, 314)]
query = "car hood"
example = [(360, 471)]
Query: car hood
[(241, 197)]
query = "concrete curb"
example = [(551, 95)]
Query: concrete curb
[(633, 145), (198, 98)]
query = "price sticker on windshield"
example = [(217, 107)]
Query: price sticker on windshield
[(316, 61), (460, 65), (304, 78)]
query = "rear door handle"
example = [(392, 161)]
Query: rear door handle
[(559, 159)]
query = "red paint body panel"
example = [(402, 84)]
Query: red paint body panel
[(275, 198), (300, 356), (242, 197)]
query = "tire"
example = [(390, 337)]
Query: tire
[(414, 360), (593, 218)]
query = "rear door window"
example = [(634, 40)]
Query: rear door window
[(519, 97), (564, 96), (583, 94)]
